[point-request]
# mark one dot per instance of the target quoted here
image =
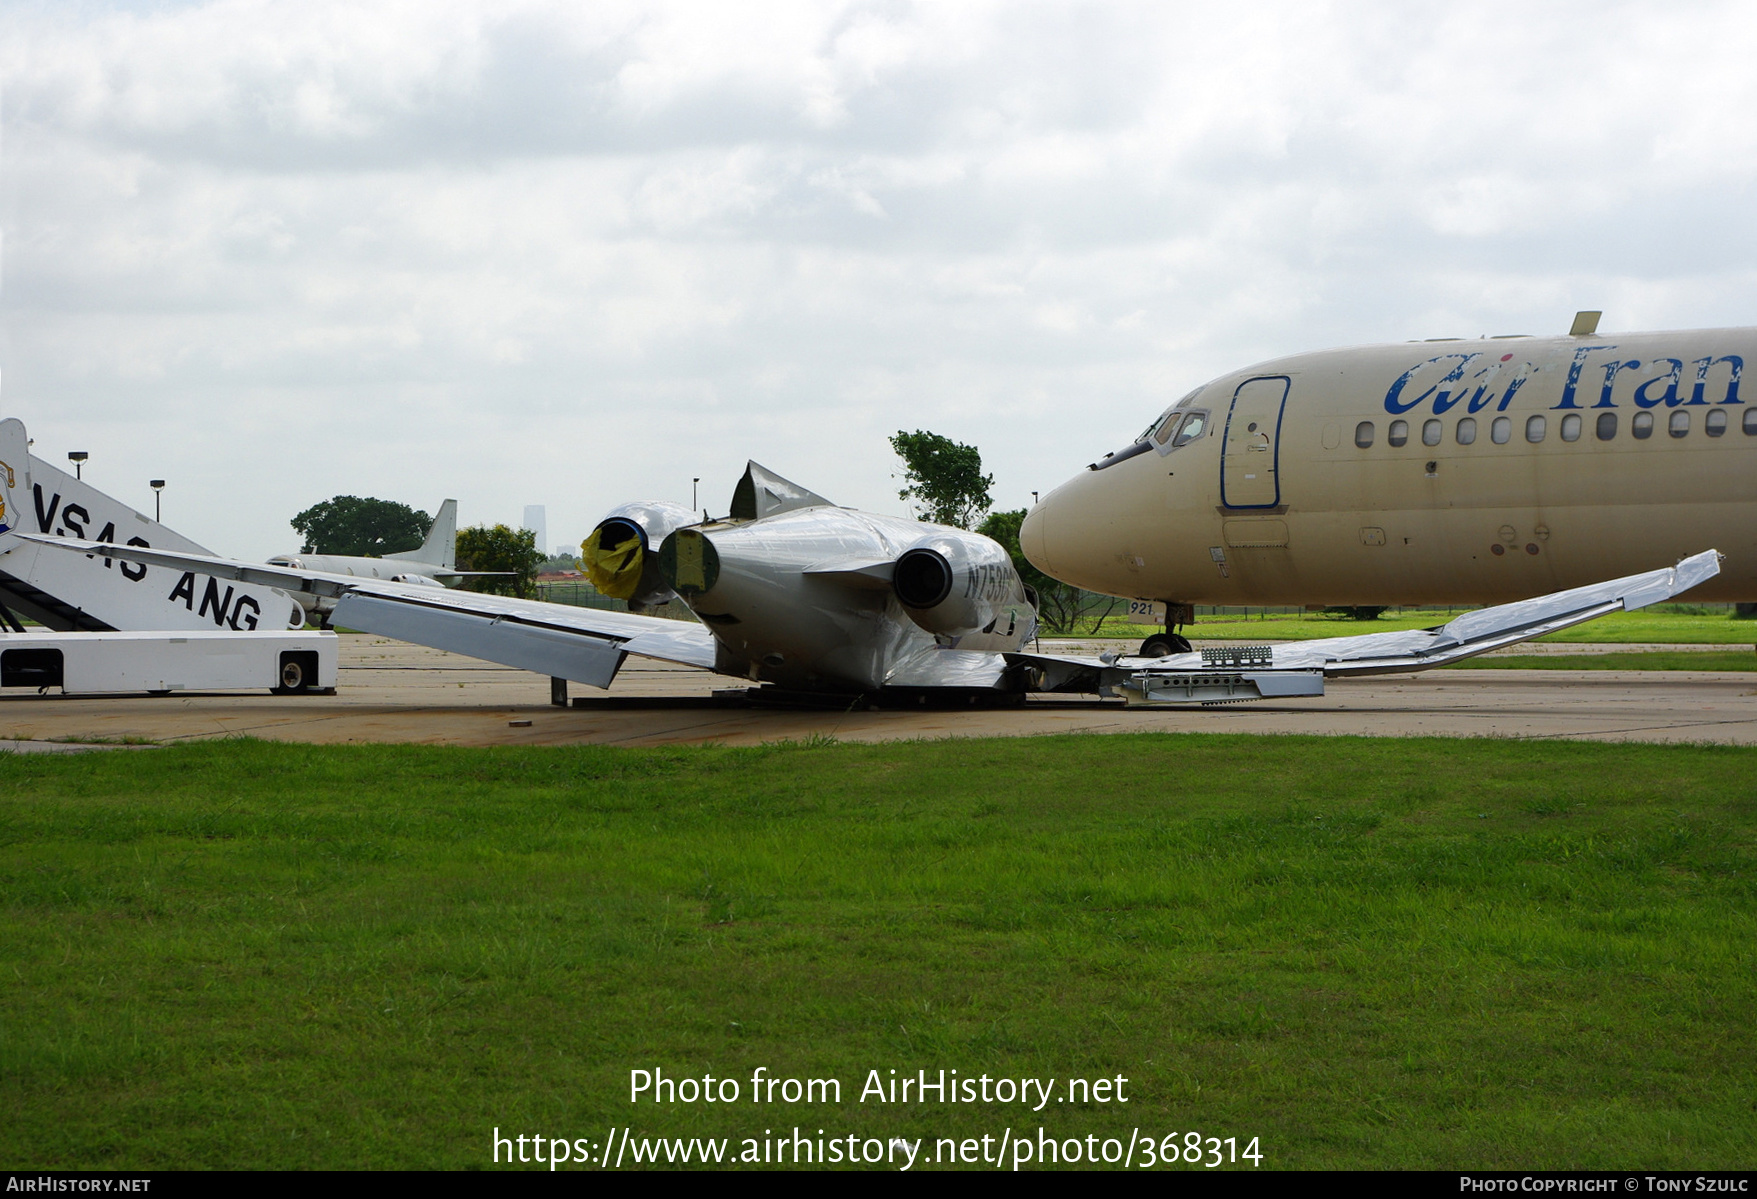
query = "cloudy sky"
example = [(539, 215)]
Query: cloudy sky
[(578, 253)]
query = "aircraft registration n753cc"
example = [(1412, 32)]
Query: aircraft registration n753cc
[(792, 591), (1452, 472)]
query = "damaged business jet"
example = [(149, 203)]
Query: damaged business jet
[(792, 591)]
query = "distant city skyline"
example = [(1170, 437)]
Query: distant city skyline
[(537, 521)]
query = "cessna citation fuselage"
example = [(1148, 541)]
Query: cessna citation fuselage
[(1427, 472)]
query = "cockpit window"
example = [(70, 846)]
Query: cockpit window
[(1174, 427)]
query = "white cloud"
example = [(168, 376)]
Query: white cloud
[(574, 254)]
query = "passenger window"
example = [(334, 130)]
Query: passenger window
[(1501, 432), (1641, 427), (1607, 426), (1571, 427), (1192, 428), (1714, 424), (1535, 428), (1397, 433), (1749, 422), (1430, 432), (1363, 434), (1467, 430), (1167, 427), (1679, 425)]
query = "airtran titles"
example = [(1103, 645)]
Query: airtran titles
[(1474, 381)]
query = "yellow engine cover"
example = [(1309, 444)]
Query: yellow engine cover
[(614, 572)]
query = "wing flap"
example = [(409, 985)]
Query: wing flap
[(686, 644)]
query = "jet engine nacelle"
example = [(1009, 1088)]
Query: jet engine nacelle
[(621, 556), (953, 584)]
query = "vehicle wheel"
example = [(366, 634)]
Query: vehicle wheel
[(1162, 645), (292, 675)]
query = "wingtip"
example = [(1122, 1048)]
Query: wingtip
[(1696, 569)]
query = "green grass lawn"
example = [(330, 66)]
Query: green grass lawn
[(1412, 953), (1737, 660), (1622, 627)]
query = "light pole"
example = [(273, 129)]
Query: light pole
[(158, 486), (692, 491), (78, 457), (1034, 499)]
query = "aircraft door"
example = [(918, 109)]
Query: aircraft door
[(1250, 455)]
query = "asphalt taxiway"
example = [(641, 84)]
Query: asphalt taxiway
[(394, 692)]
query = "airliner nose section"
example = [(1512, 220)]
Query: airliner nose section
[(1069, 535), (1033, 539)]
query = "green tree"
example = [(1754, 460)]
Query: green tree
[(1060, 607), (361, 528), (500, 549), (945, 480)]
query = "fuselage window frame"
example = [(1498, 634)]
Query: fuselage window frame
[(1536, 428), (1363, 435), (1715, 422), (1501, 432), (1641, 426), (1432, 431), (1396, 434), (1465, 434), (1605, 427), (1571, 427), (1678, 424), (1748, 422)]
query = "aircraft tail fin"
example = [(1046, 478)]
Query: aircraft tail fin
[(441, 546)]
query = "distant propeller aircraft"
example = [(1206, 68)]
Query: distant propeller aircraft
[(434, 564)]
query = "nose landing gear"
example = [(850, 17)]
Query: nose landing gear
[(1162, 645)]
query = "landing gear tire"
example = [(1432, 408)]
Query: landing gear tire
[(1163, 645)]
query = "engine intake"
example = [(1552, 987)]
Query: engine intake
[(619, 557), (923, 578), (955, 584)]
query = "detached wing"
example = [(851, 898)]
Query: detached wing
[(1299, 668), (586, 645)]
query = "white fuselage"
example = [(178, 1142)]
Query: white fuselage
[(806, 598), (1450, 472), (399, 569)]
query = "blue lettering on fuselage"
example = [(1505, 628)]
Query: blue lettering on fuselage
[(1489, 386), (1476, 393)]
